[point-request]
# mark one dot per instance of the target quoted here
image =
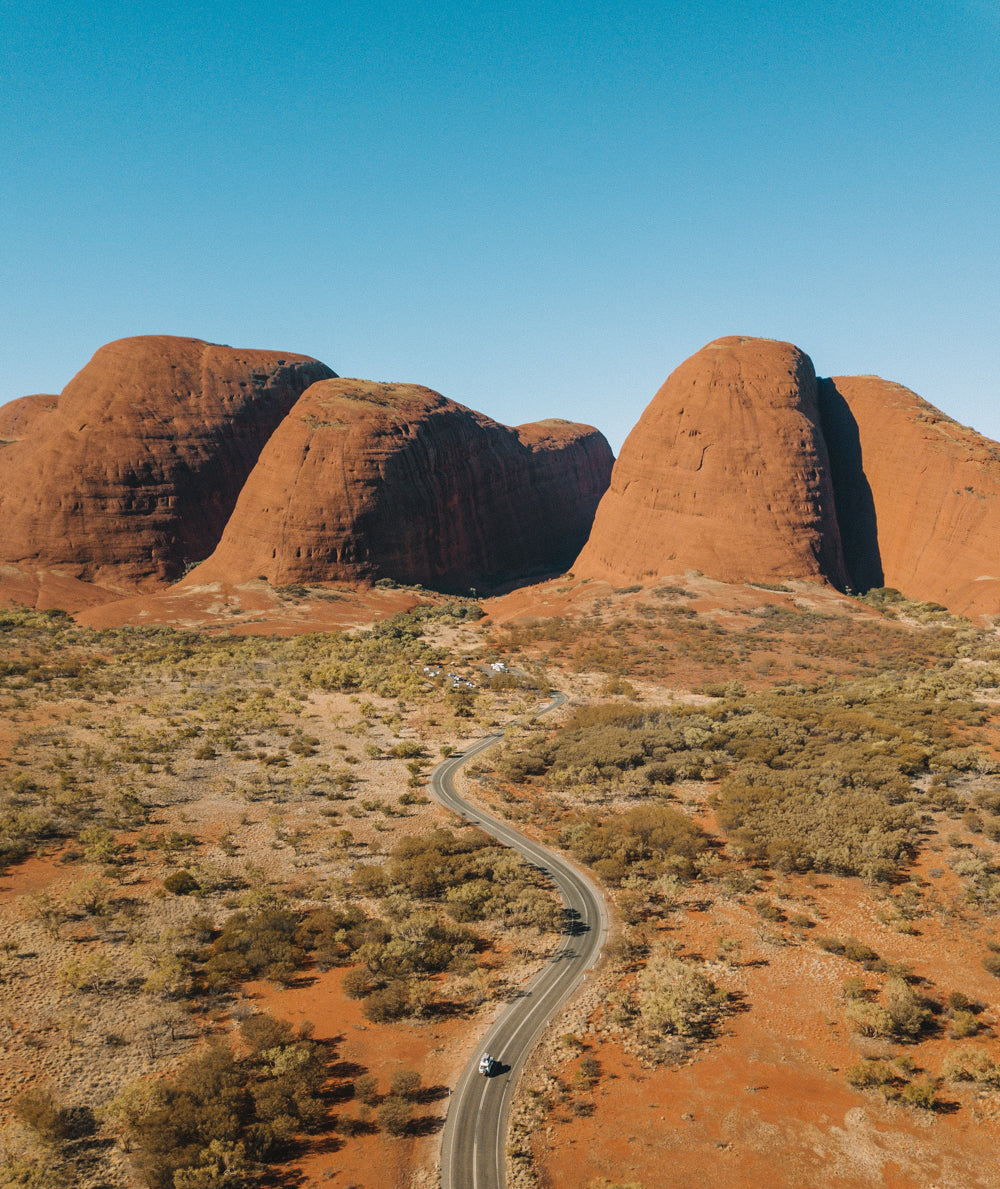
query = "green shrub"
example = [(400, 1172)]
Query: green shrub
[(871, 1075), (972, 1064), (857, 951), (222, 1113), (387, 1004), (393, 1115), (991, 964), (40, 1110), (253, 945), (406, 1084), (963, 1024), (921, 1093), (181, 883), (676, 997)]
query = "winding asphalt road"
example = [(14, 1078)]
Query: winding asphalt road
[(475, 1131)]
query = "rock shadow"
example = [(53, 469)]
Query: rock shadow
[(852, 493)]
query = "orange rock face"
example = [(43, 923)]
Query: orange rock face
[(133, 471), (18, 417), (726, 472), (926, 509), (364, 480)]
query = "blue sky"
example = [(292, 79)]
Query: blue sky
[(539, 209)]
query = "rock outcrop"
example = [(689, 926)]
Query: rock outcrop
[(18, 418), (365, 481), (134, 470), (918, 495), (726, 472)]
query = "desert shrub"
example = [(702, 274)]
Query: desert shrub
[(910, 1012), (813, 777), (654, 838), (180, 883), (475, 878), (366, 1089), (921, 1093), (857, 951), (333, 935), (407, 749), (393, 1115), (656, 773), (37, 1169), (406, 1084), (261, 1032), (223, 1113), (358, 982), (779, 817), (963, 1024), (767, 910), (677, 997), (902, 1014), (854, 988), (972, 1064), (991, 964), (92, 972), (253, 945), (40, 1110), (868, 1019), (589, 1070), (872, 1075), (386, 1004), (371, 880)]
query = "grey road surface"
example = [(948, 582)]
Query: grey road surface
[(475, 1131)]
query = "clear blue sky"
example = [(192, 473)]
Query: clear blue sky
[(538, 208)]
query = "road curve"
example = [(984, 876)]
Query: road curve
[(474, 1138)]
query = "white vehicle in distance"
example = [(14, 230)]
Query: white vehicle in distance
[(487, 1064)]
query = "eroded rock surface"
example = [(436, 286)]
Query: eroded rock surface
[(726, 472), (925, 512), (364, 480), (133, 471), (18, 418)]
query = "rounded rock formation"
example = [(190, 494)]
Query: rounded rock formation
[(726, 472), (929, 518), (364, 480), (18, 418), (134, 470)]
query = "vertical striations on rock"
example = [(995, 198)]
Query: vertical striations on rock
[(927, 495), (134, 470), (366, 480), (726, 472)]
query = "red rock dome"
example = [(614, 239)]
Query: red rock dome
[(726, 472), (364, 480), (133, 471)]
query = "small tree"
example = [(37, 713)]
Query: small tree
[(405, 1083), (393, 1115), (676, 997), (42, 1112), (180, 883)]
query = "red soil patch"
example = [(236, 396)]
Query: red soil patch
[(31, 876), (47, 590), (767, 1102), (438, 1049), (250, 609), (572, 597)]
